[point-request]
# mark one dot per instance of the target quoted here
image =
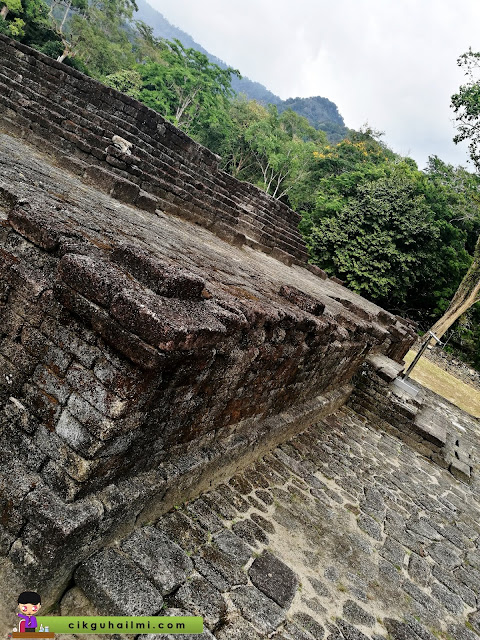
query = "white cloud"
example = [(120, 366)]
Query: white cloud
[(392, 64)]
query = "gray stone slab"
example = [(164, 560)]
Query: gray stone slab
[(449, 600), (308, 624), (237, 628), (461, 470), (370, 526), (264, 614), (354, 613), (162, 560), (274, 578), (431, 425), (349, 631), (117, 586), (198, 596), (233, 546)]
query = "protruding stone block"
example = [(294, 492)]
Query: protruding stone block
[(163, 561), (117, 586)]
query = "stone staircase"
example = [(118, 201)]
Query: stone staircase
[(430, 424), (74, 118)]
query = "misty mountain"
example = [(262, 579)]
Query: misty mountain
[(320, 112)]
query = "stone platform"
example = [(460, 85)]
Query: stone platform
[(144, 360), (163, 343), (344, 533)]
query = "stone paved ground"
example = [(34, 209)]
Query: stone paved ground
[(344, 533)]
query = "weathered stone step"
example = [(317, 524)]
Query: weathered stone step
[(431, 426)]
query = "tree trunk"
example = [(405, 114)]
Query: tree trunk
[(66, 52), (67, 9), (467, 294), (4, 12)]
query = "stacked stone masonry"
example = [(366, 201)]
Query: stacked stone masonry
[(77, 120), (144, 359), (344, 533), (149, 358), (429, 423)]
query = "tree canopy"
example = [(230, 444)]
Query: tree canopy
[(186, 88)]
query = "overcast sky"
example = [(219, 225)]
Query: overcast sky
[(391, 63)]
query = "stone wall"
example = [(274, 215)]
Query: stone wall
[(143, 358), (75, 118), (343, 533), (143, 361), (428, 423)]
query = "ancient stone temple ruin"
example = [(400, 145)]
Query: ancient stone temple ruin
[(194, 419)]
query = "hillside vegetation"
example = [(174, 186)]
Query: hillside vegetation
[(397, 235)]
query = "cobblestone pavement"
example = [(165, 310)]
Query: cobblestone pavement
[(344, 533)]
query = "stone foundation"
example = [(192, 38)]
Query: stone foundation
[(428, 423), (145, 357), (145, 360)]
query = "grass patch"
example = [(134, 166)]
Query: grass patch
[(429, 375)]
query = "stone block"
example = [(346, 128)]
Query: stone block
[(147, 202), (117, 586), (128, 383), (88, 387), (274, 578), (183, 530), (219, 569), (302, 300), (64, 456), (125, 191), (264, 614), (52, 385), (46, 407), (35, 226), (97, 280), (317, 271), (166, 279), (39, 346), (112, 332), (76, 435), (163, 561), (452, 602), (100, 177), (167, 324), (461, 470), (237, 628), (199, 597), (96, 422)]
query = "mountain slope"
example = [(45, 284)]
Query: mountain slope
[(320, 112)]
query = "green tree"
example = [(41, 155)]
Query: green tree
[(379, 241), (33, 28), (95, 31), (15, 6), (466, 105), (127, 81), (186, 88), (230, 143), (283, 147), (15, 26), (340, 169)]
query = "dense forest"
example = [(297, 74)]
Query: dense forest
[(400, 236), (320, 112)]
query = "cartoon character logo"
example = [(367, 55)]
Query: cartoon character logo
[(29, 604)]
